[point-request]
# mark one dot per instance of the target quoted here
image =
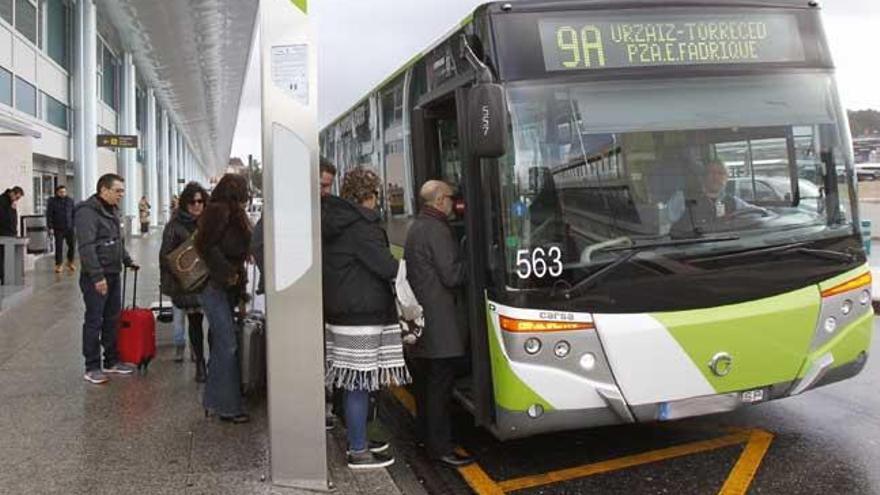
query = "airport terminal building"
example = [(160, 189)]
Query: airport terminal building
[(72, 70)]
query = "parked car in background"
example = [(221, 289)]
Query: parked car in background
[(773, 190), (868, 171)]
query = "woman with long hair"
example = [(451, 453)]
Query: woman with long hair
[(181, 227), (364, 348), (223, 241)]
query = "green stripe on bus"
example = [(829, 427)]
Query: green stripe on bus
[(301, 5), (767, 339), (511, 392)]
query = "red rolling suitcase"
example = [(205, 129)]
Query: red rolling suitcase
[(136, 338)]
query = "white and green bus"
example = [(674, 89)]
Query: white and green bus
[(656, 204)]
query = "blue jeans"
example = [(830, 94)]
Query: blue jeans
[(223, 388), (357, 406), (100, 322), (178, 325)]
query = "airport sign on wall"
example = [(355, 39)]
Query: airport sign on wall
[(117, 141)]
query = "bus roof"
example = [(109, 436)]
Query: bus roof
[(406, 65), (544, 5)]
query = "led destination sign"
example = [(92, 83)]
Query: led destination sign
[(589, 43)]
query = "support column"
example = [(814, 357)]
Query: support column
[(165, 171), (85, 82), (128, 119), (152, 162), (174, 161), (292, 230)]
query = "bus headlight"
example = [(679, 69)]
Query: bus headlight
[(532, 345), (846, 307), (561, 349), (864, 297), (588, 361), (831, 324), (535, 410)]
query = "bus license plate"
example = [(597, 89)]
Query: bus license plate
[(751, 396)]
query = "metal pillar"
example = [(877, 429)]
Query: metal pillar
[(164, 183), (165, 171), (293, 250), (85, 83), (128, 119), (151, 162), (174, 161)]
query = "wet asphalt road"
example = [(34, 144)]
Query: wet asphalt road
[(826, 441)]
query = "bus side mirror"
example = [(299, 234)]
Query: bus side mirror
[(488, 120)]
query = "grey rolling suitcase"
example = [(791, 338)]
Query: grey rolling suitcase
[(252, 350)]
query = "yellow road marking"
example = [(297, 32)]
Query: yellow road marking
[(473, 474), (746, 467), (622, 462), (737, 483), (405, 398)]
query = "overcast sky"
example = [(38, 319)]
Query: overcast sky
[(360, 43)]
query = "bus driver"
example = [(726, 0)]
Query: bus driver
[(711, 206)]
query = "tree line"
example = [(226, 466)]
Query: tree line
[(864, 122)]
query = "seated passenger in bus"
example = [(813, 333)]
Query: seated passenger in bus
[(710, 206)]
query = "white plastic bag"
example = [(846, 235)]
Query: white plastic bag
[(409, 311)]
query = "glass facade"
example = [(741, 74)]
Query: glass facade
[(5, 87), (55, 112), (107, 70), (26, 19), (6, 10), (25, 96), (58, 35)]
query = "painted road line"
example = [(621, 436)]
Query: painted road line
[(477, 479), (746, 467), (473, 474), (405, 398), (622, 462)]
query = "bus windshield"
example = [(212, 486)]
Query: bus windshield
[(600, 167)]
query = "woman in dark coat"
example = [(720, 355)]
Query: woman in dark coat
[(223, 241), (364, 349), (176, 232)]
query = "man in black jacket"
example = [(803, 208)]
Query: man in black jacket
[(59, 219), (102, 253), (435, 270), (8, 217)]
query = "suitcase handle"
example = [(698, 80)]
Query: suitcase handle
[(134, 286)]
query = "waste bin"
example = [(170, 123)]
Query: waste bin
[(35, 229), (866, 236)]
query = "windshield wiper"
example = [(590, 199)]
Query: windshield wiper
[(797, 247), (633, 251)]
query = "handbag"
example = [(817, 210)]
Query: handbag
[(187, 266)]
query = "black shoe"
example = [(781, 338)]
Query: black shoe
[(328, 423), (237, 419), (201, 372), (375, 446), (369, 460), (455, 460)]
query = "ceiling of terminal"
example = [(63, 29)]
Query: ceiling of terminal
[(194, 53)]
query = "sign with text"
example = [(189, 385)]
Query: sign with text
[(117, 141), (597, 42)]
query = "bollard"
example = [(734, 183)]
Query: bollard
[(866, 236)]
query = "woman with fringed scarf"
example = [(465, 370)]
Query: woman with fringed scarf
[(364, 348)]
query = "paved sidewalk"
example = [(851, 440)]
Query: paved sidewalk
[(141, 434)]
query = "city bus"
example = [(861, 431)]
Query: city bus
[(625, 263)]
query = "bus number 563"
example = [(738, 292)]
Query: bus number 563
[(539, 262)]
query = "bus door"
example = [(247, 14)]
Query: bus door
[(440, 152)]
